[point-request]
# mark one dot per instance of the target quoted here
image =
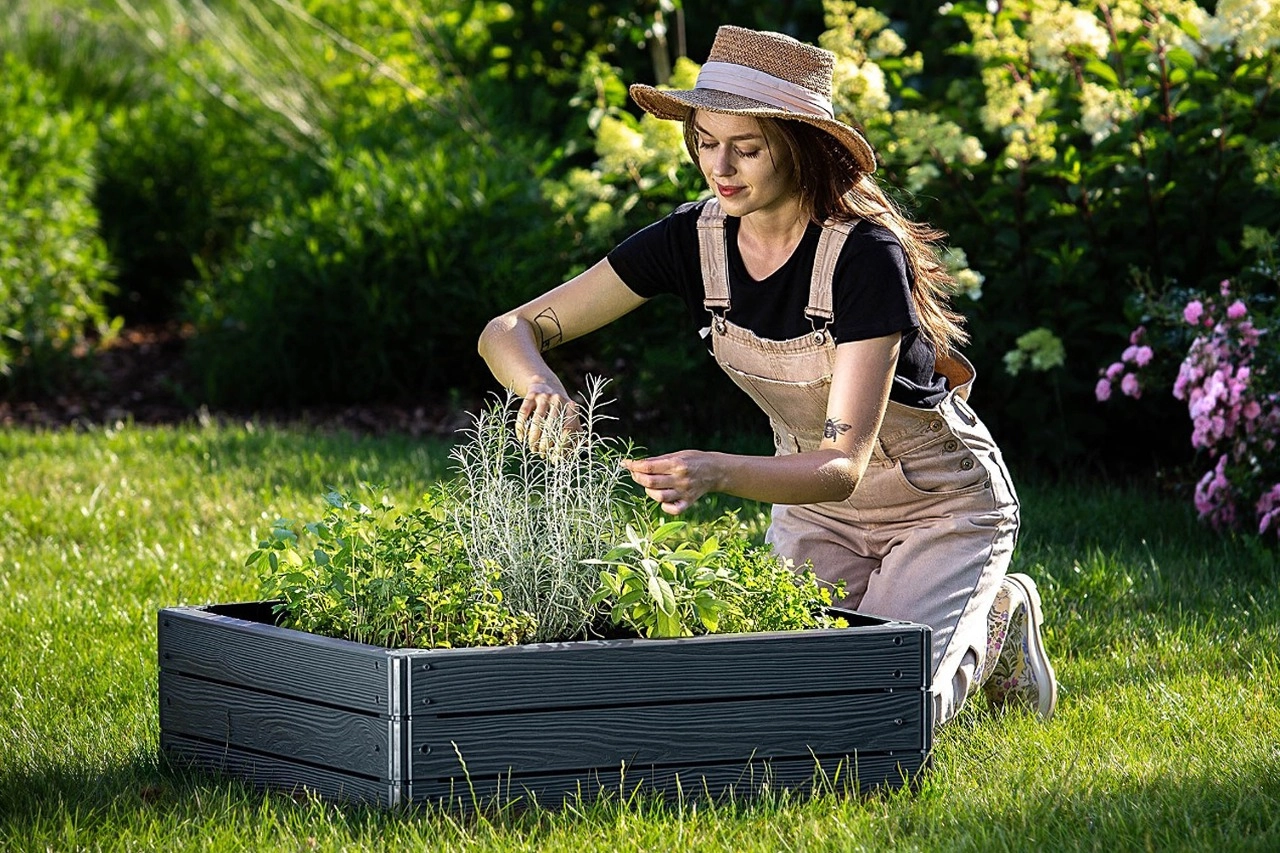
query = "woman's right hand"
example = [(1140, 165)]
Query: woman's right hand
[(548, 421)]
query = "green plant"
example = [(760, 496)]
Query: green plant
[(338, 295), (53, 264), (670, 580), (379, 575), (536, 519), (661, 586)]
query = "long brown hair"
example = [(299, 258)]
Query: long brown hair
[(832, 186)]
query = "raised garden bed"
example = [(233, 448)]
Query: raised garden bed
[(710, 715)]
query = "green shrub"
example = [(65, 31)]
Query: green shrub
[(53, 265), (179, 181), (1083, 149), (378, 286)]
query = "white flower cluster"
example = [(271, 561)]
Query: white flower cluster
[(1103, 110), (968, 281), (1062, 28), (859, 88), (1249, 28)]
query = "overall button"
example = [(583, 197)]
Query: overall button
[(935, 425), (950, 445), (966, 463)]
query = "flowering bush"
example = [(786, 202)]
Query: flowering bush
[(1066, 145), (1229, 378)]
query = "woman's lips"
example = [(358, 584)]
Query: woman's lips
[(728, 191)]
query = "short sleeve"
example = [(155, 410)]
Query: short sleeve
[(872, 288), (659, 258)]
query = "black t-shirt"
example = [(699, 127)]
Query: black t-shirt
[(871, 291)]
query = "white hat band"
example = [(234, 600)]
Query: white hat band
[(757, 85)]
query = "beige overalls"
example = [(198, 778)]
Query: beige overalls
[(929, 531)]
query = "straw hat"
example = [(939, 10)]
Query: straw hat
[(763, 75)]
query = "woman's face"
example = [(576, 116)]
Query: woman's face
[(741, 164)]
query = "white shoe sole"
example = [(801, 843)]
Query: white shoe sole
[(1036, 657)]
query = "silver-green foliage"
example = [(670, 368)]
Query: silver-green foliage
[(536, 518)]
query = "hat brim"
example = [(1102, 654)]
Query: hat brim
[(675, 104)]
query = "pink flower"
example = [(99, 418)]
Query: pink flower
[(1225, 287), (1114, 371), (1130, 386), (1102, 390), (1237, 310), (1193, 312), (1129, 354), (1269, 510), (1136, 334), (1143, 356)]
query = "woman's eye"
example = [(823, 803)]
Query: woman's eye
[(706, 145), (747, 154)]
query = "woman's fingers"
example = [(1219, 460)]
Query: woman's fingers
[(672, 480), (548, 424)]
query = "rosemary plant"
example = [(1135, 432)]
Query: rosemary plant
[(536, 518)]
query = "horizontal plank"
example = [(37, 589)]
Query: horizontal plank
[(269, 772), (203, 642), (698, 781), (583, 739), (643, 672), (275, 725)]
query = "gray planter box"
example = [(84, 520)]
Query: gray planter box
[(726, 714)]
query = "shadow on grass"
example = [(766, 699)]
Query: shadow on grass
[(1236, 809)]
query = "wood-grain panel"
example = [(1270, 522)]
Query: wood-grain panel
[(277, 773), (198, 642), (622, 672), (266, 723), (720, 731), (697, 781)]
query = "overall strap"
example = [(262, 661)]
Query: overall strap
[(715, 259), (819, 310)]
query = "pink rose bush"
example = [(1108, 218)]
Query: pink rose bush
[(1229, 378)]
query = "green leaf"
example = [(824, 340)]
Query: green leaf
[(662, 594), (1104, 72)]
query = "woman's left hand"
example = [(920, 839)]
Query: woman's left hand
[(675, 480)]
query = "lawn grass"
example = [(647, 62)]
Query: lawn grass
[(1165, 638)]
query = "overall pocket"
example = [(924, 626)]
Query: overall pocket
[(946, 466), (801, 406)]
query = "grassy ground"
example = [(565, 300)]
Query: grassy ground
[(1165, 639)]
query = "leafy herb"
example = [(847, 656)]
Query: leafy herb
[(381, 576), (665, 584)]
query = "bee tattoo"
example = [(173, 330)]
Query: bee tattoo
[(547, 325), (835, 428)]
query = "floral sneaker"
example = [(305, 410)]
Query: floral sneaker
[(1022, 674)]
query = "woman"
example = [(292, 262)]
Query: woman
[(828, 307)]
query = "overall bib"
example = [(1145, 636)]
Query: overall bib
[(929, 531)]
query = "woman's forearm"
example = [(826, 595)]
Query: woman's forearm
[(798, 478), (508, 347), (678, 479)]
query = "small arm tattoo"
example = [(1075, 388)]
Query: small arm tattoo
[(835, 428), (547, 325)]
